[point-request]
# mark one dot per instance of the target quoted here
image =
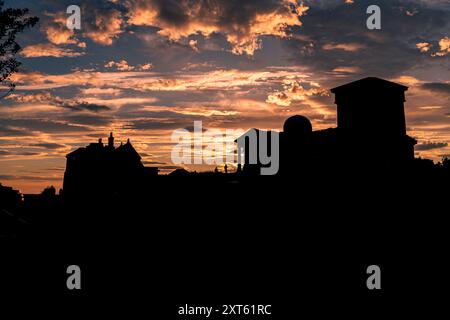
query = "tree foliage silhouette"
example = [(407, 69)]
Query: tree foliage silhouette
[(12, 22)]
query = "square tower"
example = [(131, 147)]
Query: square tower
[(371, 106)]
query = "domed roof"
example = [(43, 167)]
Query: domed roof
[(297, 126)]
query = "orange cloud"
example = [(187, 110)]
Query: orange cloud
[(347, 70), (57, 31), (212, 17), (48, 50), (294, 90), (144, 81), (349, 47), (123, 65), (145, 66), (444, 45), (107, 26), (36, 97), (423, 46), (60, 35), (193, 45), (407, 80), (101, 91)]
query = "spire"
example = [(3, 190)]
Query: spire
[(111, 140)]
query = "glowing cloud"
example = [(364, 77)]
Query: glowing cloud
[(444, 45), (423, 46), (241, 25), (349, 47), (48, 50), (106, 27), (123, 65), (294, 91)]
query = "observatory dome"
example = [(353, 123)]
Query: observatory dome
[(297, 125)]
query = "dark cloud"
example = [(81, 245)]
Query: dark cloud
[(128, 113), (81, 106), (170, 167), (227, 12), (103, 22), (335, 36), (29, 178), (8, 131), (153, 162), (49, 98), (437, 87), (48, 145), (25, 153), (88, 119), (22, 127), (18, 152), (147, 124), (55, 169), (430, 146), (240, 23)]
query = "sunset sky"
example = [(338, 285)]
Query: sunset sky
[(146, 68)]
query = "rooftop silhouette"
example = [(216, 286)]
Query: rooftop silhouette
[(370, 133), (103, 169), (370, 125)]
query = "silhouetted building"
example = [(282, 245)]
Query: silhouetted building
[(371, 131), (9, 198), (10, 203), (98, 169), (371, 116)]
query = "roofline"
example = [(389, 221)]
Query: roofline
[(257, 131), (344, 86)]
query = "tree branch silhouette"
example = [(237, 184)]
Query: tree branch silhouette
[(12, 22)]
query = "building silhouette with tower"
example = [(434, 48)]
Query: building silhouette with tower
[(370, 133), (104, 169), (371, 130)]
